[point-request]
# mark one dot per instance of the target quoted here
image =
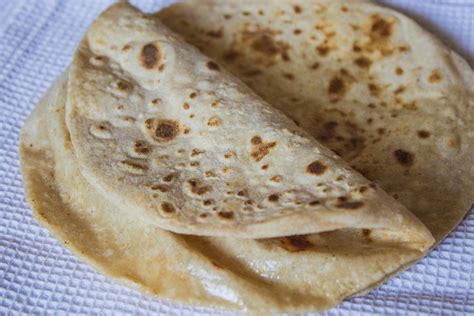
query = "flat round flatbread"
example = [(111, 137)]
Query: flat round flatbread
[(162, 131), (355, 250), (290, 274), (364, 80)]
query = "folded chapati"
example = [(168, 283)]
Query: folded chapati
[(159, 129), (364, 80), (93, 156), (287, 274)]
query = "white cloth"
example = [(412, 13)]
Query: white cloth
[(39, 276)]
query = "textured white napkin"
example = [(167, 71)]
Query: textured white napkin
[(39, 276)]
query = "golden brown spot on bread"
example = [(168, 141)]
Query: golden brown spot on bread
[(214, 121), (159, 187), (197, 188), (356, 48), (435, 77), (297, 31), (403, 49), (213, 66), (229, 154), (122, 86), (265, 167), (256, 140), (169, 178), (260, 148), (263, 42), (166, 130), (141, 147), (380, 28), (227, 16), (315, 66), (423, 134), (314, 203), (133, 167), (208, 202), (260, 151), (336, 89), (289, 76), (342, 199), (399, 71), (242, 193), (162, 130), (366, 232), (349, 205), (405, 158), (316, 167), (249, 202), (276, 178), (323, 49), (297, 9), (363, 62), (344, 8), (168, 208), (273, 198), (186, 106), (196, 152), (400, 89), (226, 215), (193, 95), (150, 56), (373, 89)]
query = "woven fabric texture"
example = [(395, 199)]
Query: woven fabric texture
[(39, 276)]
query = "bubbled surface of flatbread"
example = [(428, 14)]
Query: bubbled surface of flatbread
[(364, 80), (288, 274), (169, 135)]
